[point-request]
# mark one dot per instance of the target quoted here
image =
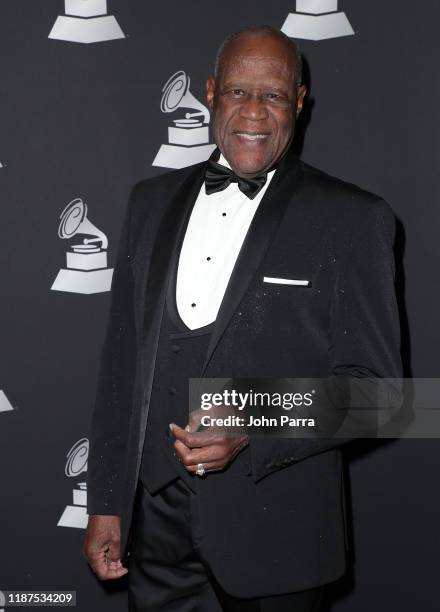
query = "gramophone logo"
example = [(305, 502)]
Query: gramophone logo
[(86, 21), (5, 404), (86, 270), (317, 20), (188, 138), (76, 515)]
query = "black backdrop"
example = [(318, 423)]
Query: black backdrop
[(84, 120)]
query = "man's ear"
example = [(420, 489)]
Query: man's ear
[(302, 90), (210, 91)]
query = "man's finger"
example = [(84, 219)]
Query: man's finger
[(99, 564), (198, 439), (200, 455), (218, 412), (112, 574), (194, 421), (114, 564), (114, 552), (212, 466)]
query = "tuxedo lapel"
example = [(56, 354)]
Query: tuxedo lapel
[(261, 231), (156, 274), (165, 243)]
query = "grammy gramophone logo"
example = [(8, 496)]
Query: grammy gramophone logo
[(317, 20), (86, 21), (5, 404), (75, 515), (86, 270), (188, 138)]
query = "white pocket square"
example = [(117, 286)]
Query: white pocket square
[(287, 281)]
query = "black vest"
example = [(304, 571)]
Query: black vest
[(180, 356)]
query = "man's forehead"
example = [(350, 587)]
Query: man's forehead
[(255, 62)]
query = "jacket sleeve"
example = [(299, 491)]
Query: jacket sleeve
[(110, 419), (364, 334)]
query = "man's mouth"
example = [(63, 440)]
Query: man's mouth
[(251, 135)]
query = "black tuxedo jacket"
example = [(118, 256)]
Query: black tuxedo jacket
[(273, 521)]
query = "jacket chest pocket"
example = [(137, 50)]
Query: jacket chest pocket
[(298, 286), (288, 301)]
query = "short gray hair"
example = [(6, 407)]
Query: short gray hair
[(262, 29)]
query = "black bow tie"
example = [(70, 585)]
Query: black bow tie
[(218, 177)]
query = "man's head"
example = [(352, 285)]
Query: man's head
[(255, 97)]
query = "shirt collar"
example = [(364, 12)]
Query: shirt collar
[(222, 160)]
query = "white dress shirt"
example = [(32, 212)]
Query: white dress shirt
[(214, 235)]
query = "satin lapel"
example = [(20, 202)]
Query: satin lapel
[(261, 231), (165, 243)]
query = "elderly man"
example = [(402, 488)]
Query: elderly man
[(204, 286)]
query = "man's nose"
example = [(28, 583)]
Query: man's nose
[(253, 108)]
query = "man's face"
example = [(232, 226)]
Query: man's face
[(254, 103)]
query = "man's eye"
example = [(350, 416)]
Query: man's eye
[(237, 92), (272, 95)]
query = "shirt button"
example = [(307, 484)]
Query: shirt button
[(172, 390), (208, 259), (223, 214), (193, 304)]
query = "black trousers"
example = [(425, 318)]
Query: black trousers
[(166, 568)]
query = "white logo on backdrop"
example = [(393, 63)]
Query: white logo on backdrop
[(5, 404), (86, 270), (188, 138), (86, 21), (2, 601), (76, 515), (317, 20)]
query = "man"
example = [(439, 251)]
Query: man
[(263, 527)]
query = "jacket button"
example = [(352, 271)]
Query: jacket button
[(172, 390), (175, 348)]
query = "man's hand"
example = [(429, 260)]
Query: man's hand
[(102, 546), (215, 447)]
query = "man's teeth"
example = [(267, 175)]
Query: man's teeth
[(252, 136)]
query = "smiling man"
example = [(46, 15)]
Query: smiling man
[(206, 285), (255, 97)]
